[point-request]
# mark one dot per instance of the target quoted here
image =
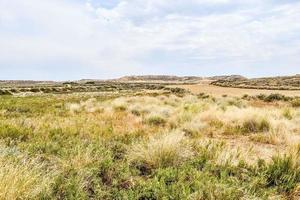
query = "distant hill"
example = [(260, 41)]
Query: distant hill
[(26, 82), (278, 83), (184, 79), (237, 81), (127, 79), (159, 78), (228, 78)]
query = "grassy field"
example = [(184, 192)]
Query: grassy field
[(163, 144)]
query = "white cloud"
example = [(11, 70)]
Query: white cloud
[(132, 36)]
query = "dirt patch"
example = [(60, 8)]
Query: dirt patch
[(238, 92)]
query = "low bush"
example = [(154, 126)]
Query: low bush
[(296, 102), (120, 108), (273, 97), (156, 121), (256, 125)]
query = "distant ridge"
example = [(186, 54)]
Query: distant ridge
[(164, 78), (167, 78), (277, 83)]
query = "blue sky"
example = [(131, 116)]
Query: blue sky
[(74, 39)]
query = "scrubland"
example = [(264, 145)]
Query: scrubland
[(149, 146), (277, 83)]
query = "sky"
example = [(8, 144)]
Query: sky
[(100, 39)]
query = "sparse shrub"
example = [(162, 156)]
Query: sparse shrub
[(202, 95), (120, 108), (178, 91), (156, 121), (162, 151), (235, 102), (276, 97), (296, 102), (272, 97), (136, 112), (287, 114), (246, 97), (256, 125)]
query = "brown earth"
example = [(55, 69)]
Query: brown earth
[(219, 91)]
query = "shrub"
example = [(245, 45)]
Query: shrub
[(272, 97), (296, 102), (156, 121), (202, 95), (136, 112), (287, 114), (178, 91), (246, 97), (120, 108), (162, 151), (254, 126)]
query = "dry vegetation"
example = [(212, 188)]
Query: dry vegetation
[(278, 83), (165, 145)]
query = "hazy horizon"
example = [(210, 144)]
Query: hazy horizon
[(98, 39)]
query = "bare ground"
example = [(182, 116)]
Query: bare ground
[(219, 91)]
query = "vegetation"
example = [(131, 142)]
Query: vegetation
[(158, 144), (277, 83)]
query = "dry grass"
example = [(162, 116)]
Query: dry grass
[(164, 150), (23, 178)]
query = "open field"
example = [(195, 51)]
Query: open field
[(149, 144), (219, 91)]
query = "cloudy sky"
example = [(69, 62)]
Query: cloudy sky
[(74, 39)]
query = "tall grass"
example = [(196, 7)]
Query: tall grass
[(165, 150)]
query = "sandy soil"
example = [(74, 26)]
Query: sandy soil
[(219, 91)]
